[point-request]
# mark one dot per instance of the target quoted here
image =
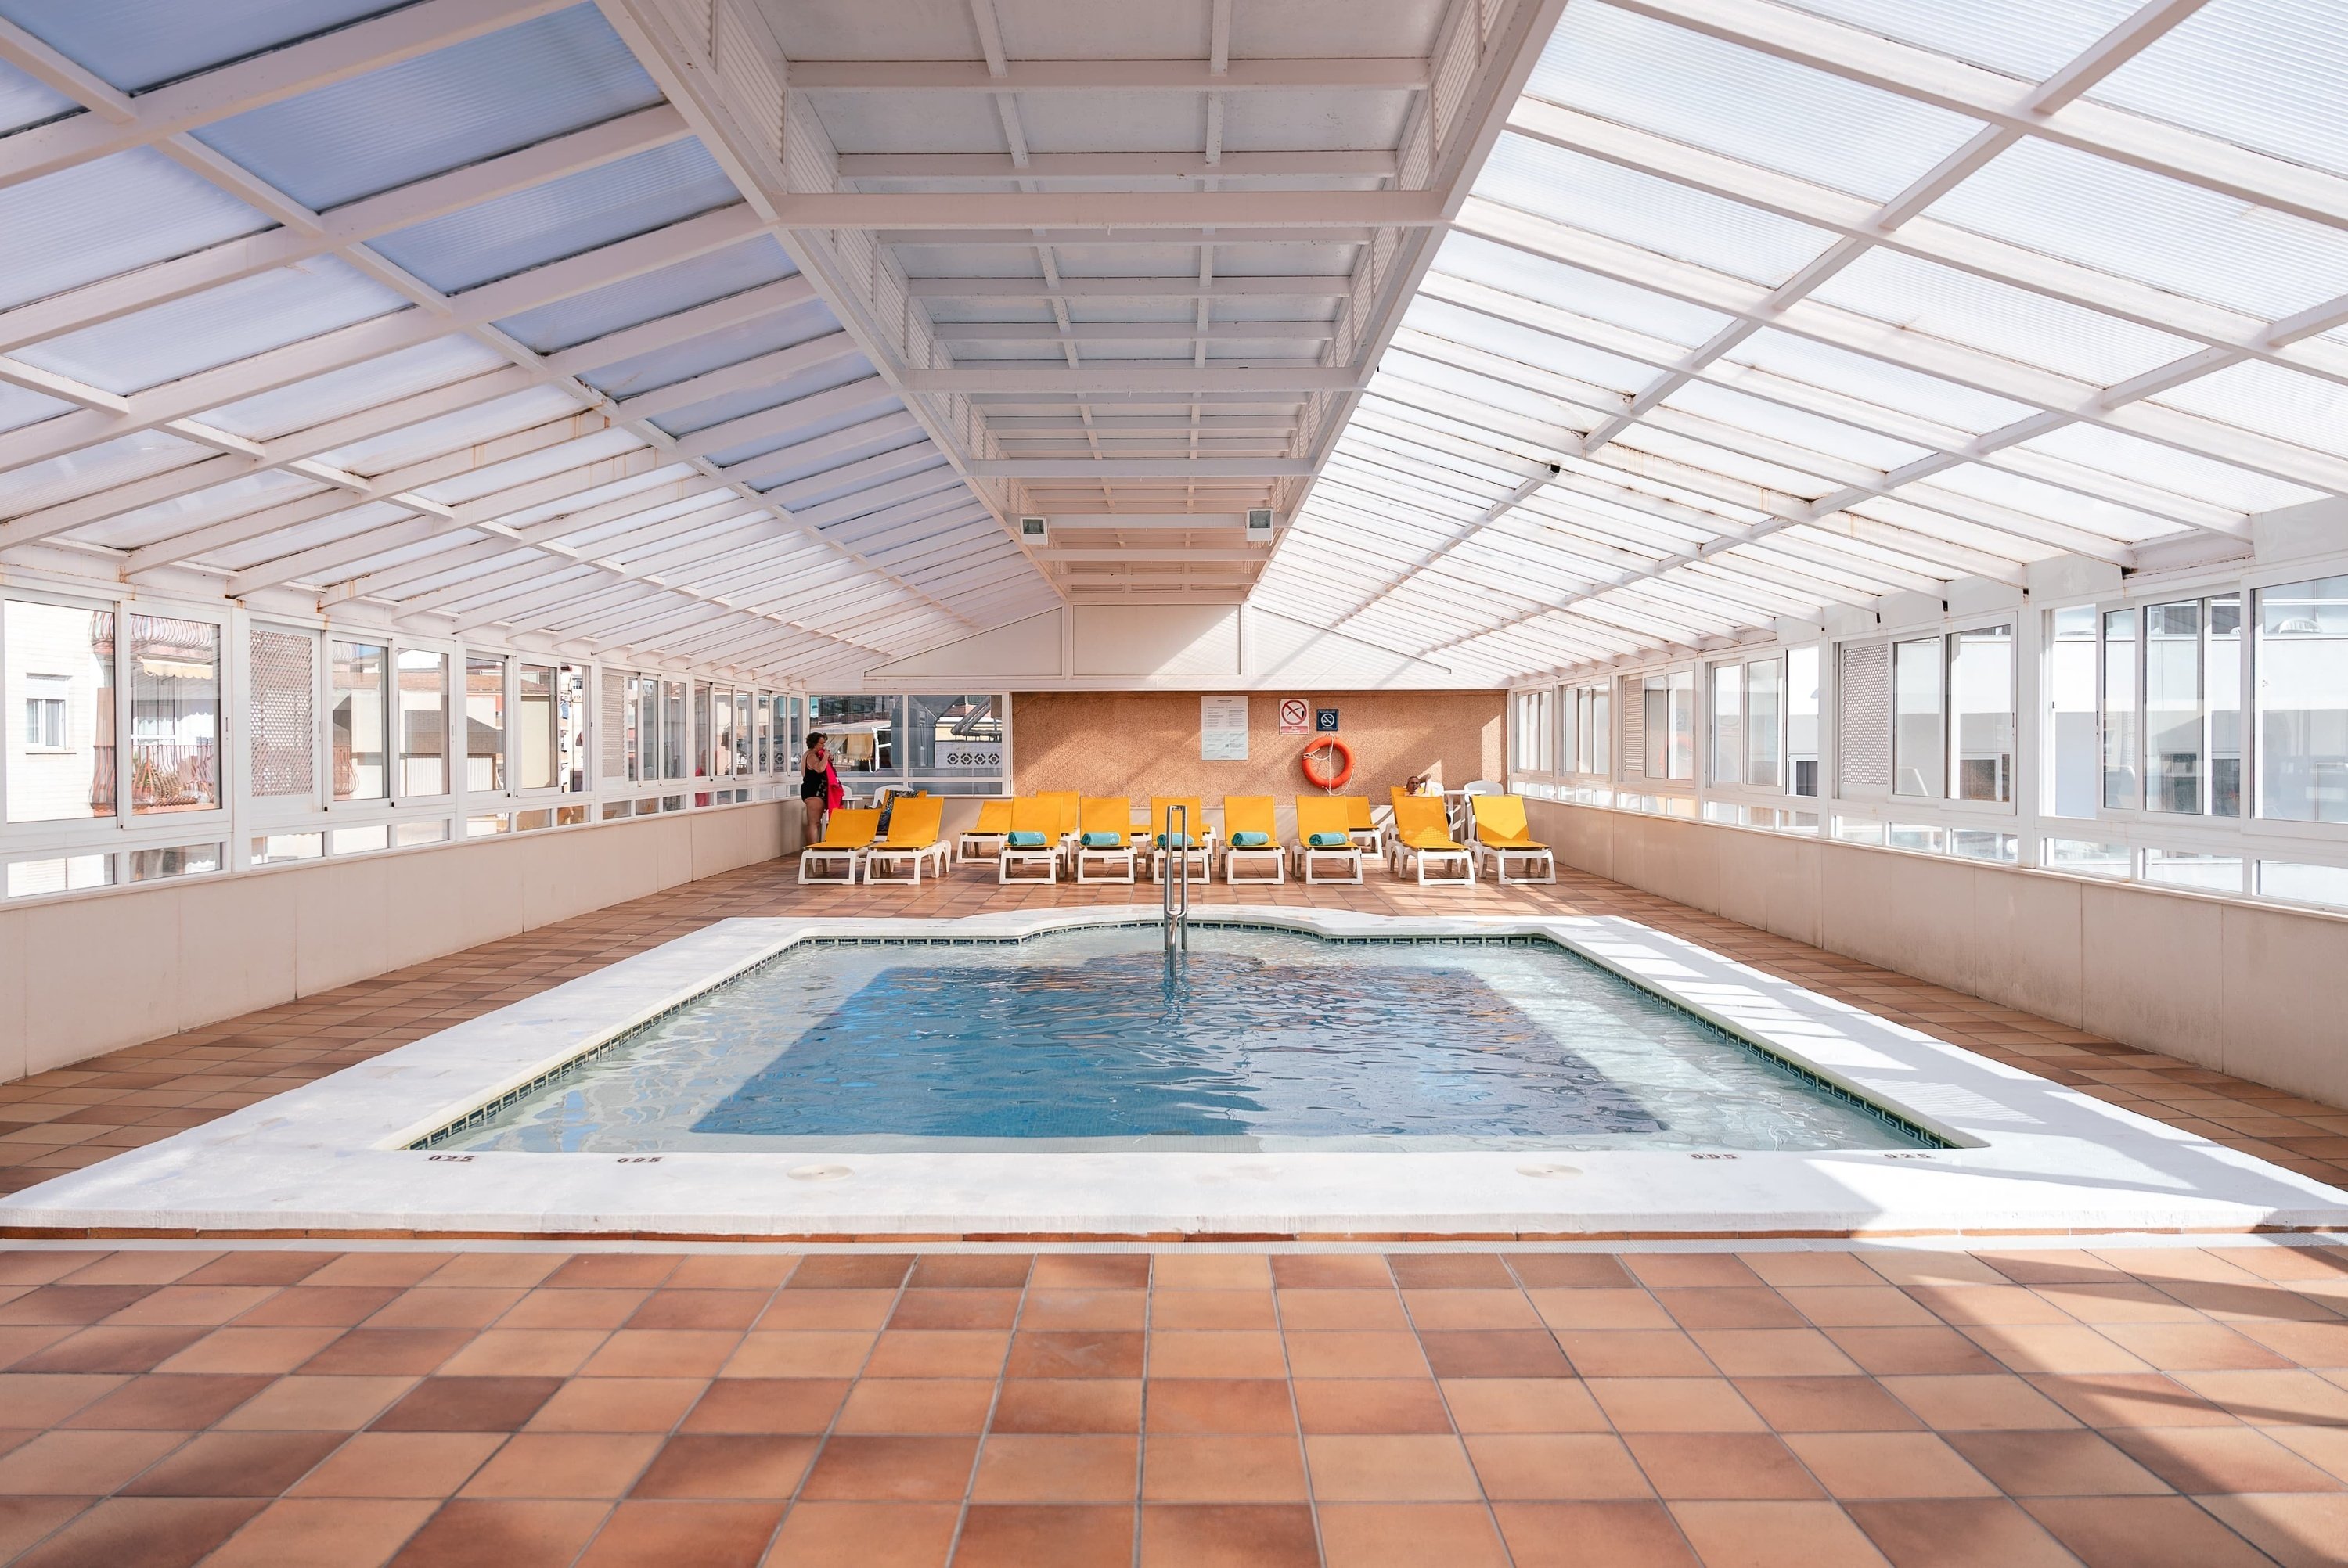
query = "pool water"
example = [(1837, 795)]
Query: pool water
[(1254, 1040)]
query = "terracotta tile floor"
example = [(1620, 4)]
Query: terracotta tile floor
[(699, 1409), (508, 1407), (70, 1117)]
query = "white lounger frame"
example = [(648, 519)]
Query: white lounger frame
[(1012, 856), (878, 857), (1278, 852), (1310, 859), (1417, 859), (815, 855), (1110, 857), (1542, 860)]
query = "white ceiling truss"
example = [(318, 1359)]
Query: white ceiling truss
[(743, 331)]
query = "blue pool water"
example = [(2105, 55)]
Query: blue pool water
[(1256, 1038)]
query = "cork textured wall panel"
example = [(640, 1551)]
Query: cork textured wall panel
[(1141, 744)]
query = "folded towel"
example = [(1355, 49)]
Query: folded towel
[(1026, 841), (1181, 841), (1329, 841), (1103, 841), (1249, 840)]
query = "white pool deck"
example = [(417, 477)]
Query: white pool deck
[(330, 1158)]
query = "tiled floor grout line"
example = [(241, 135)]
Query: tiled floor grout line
[(1443, 1397), (1296, 1415)]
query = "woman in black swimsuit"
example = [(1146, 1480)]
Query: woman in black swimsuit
[(815, 788)]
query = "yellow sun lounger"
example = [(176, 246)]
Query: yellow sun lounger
[(1366, 832), (983, 840), (1324, 818), (913, 841), (1034, 817), (1068, 806), (1201, 846), (1252, 817), (1500, 833), (1104, 848), (844, 839), (1422, 838)]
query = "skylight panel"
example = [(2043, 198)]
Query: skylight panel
[(582, 211), (2027, 38), (147, 525), (789, 389), (1877, 381), (25, 100), (1648, 211), (366, 384), (1753, 106), (678, 362), (2015, 323), (203, 331), (2028, 495), (2270, 400), (20, 407), (95, 220), (551, 328), (2186, 473), (438, 111), (1713, 459), (33, 485), (2268, 73), (1554, 355), (2164, 231), (1553, 284), (450, 432), (1831, 436)]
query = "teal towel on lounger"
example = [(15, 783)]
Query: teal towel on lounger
[(1249, 840), (1329, 841), (1026, 841)]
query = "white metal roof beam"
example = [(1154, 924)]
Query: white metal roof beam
[(1127, 378), (1112, 76), (1303, 212), (1048, 167), (1273, 285)]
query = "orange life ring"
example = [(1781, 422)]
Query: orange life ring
[(1345, 754)]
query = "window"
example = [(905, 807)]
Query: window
[(1919, 718), (2119, 710), (485, 723), (1528, 714), (2071, 713), (1802, 714), (672, 735), (745, 736), (632, 725), (2303, 701), (423, 701), (1980, 696), (1725, 753), (702, 735), (537, 727), (55, 654), (175, 705), (44, 712), (357, 719), (1669, 712), (862, 728), (571, 721), (1765, 682), (1599, 750), (716, 711), (768, 702)]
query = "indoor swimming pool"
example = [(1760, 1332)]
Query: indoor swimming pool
[(1252, 1039)]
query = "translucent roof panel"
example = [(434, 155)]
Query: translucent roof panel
[(595, 207), (2031, 39), (124, 211), (1874, 380), (1681, 84), (353, 387), (2268, 398), (1645, 210), (135, 44), (202, 332), (2267, 74), (2147, 226), (1475, 259), (553, 327), (440, 111), (2186, 473), (24, 101)]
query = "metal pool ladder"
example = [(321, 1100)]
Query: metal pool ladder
[(1174, 886)]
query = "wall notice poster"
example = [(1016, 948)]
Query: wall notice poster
[(1222, 729)]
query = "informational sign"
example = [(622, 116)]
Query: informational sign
[(1324, 721), (1295, 715), (1222, 729), (970, 754)]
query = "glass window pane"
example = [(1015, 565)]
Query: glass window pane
[(65, 874), (1919, 723), (862, 728), (485, 723), (2119, 709), (1682, 724), (571, 726), (2303, 884), (2221, 692), (357, 720), (1765, 681), (423, 723), (180, 860), (1981, 692), (1802, 720), (767, 701), (2071, 713), (632, 725), (1658, 725), (1602, 731), (60, 665), (2086, 857), (175, 704), (745, 739), (537, 727), (1726, 756), (2303, 701), (672, 737), (2172, 707), (2190, 868), (702, 732)]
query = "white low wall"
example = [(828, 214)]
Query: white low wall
[(114, 966), (2251, 990)]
